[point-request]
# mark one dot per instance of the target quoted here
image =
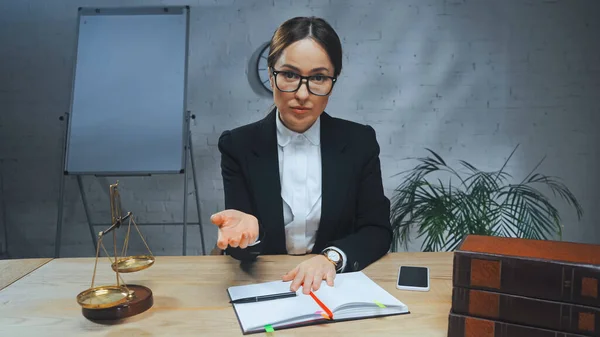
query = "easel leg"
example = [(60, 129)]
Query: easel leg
[(87, 211), (197, 195), (185, 197), (4, 216), (61, 192), (59, 221)]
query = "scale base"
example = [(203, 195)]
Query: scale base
[(141, 301)]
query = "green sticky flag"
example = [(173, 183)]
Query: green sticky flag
[(379, 304), (269, 328)]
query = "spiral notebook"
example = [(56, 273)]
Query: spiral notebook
[(353, 296)]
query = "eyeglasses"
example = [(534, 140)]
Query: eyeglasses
[(288, 81)]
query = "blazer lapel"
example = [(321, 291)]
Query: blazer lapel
[(334, 182), (264, 171)]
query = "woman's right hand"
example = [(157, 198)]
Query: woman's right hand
[(236, 229)]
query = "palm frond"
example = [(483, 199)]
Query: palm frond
[(557, 188), (501, 173)]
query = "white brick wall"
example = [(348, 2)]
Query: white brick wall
[(469, 79)]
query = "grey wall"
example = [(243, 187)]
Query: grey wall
[(469, 79)]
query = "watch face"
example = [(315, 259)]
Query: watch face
[(333, 255)]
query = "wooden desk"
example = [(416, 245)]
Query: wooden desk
[(190, 298), (13, 270)]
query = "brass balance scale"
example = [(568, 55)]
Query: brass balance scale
[(120, 300)]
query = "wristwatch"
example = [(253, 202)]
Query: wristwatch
[(335, 258)]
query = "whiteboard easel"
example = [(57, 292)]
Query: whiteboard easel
[(128, 112)]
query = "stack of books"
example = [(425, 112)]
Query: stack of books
[(511, 287)]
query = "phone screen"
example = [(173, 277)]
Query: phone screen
[(413, 276)]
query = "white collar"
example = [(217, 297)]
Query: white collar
[(285, 135)]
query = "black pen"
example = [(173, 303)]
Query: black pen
[(263, 298)]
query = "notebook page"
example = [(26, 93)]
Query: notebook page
[(355, 287), (258, 314)]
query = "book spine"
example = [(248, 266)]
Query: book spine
[(468, 326), (559, 316), (549, 280)]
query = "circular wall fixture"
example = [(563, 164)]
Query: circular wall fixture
[(258, 72)]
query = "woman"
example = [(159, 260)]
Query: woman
[(300, 181)]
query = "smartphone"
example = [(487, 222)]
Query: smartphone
[(413, 278)]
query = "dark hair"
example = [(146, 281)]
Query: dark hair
[(299, 28)]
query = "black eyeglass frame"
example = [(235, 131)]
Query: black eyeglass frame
[(302, 78)]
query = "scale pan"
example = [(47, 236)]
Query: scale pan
[(141, 299), (103, 297), (133, 263)]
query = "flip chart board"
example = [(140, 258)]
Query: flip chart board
[(128, 104)]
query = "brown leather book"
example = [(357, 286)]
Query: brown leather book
[(550, 270), (516, 309), (467, 326)]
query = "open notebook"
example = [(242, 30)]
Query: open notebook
[(353, 296)]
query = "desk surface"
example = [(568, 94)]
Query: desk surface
[(190, 298), (13, 270)]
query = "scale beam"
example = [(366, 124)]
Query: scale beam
[(116, 224)]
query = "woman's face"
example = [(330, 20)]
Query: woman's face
[(300, 109)]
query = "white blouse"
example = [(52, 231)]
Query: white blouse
[(300, 174), (300, 177)]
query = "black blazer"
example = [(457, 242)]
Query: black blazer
[(355, 215)]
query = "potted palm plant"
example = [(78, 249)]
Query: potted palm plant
[(480, 202)]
